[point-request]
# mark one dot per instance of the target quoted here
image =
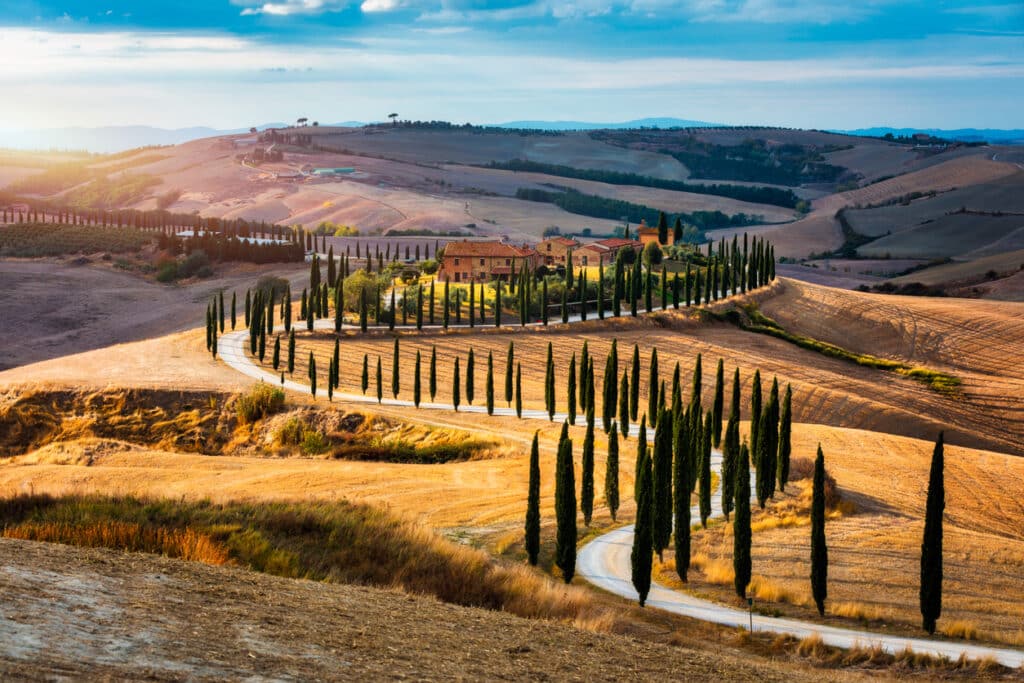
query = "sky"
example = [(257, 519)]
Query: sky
[(839, 64)]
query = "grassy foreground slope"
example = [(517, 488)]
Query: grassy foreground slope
[(160, 619)]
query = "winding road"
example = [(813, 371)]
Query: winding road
[(605, 561)]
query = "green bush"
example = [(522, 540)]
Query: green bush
[(262, 400), (290, 433), (314, 443)]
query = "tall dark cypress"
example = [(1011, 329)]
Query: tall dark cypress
[(741, 524), (584, 365), (611, 473), (291, 352), (652, 387), (220, 311), (395, 382), (931, 545), (446, 305), (565, 507), (641, 453), (705, 471), (489, 386), (432, 374), (587, 470), (248, 308), (549, 385), (364, 381), (565, 304), (430, 304), (763, 471), (634, 384), (277, 352), (785, 438), (470, 376), (509, 361), (519, 391), (456, 396), (642, 555), (624, 404), (719, 403), (819, 549), (234, 303), (755, 414), (311, 367), (681, 490), (730, 455), (419, 306), (570, 392), (661, 464), (533, 505), (544, 302), (609, 389), (417, 386), (337, 363), (380, 381)]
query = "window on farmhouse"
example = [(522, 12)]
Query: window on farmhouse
[(481, 262)]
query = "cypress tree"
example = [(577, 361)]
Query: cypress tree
[(641, 453), (741, 524), (472, 304), (234, 300), (312, 374), (339, 308), (755, 415), (277, 352), (624, 404), (662, 228), (819, 549), (364, 313), (291, 352), (497, 303), (785, 434), (380, 385), (763, 472), (489, 385), (430, 308), (509, 359), (533, 505), (587, 474), (565, 507), (608, 392), (394, 371), (584, 369), (705, 471), (931, 545), (634, 384), (600, 289), (248, 308), (330, 381), (365, 379), (549, 385), (570, 392), (634, 287), (446, 314), (209, 328), (641, 557), (544, 302), (730, 454), (419, 306), (470, 376), (611, 473), (432, 375), (681, 499), (565, 304), (652, 387), (456, 398), (417, 388), (519, 391), (661, 465), (220, 311), (718, 405)]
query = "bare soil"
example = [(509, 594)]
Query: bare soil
[(104, 615)]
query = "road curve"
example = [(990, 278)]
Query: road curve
[(605, 561)]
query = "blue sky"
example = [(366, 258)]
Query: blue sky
[(233, 63)]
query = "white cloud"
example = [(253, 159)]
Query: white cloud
[(290, 7), (370, 6)]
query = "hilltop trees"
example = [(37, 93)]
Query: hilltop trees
[(931, 545)]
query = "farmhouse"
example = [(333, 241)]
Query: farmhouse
[(467, 261), (646, 234), (603, 251), (555, 250)]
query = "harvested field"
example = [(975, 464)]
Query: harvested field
[(874, 543)]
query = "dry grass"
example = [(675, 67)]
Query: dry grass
[(337, 542), (960, 629), (186, 544), (859, 611), (774, 592)]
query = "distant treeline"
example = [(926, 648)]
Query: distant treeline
[(220, 247), (754, 161), (757, 195), (615, 209), (467, 127)]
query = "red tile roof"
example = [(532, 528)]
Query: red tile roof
[(564, 241), (617, 242), (486, 249)]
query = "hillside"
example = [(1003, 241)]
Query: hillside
[(139, 616)]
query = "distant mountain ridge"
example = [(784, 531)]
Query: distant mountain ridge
[(108, 139)]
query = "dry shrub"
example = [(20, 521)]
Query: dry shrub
[(780, 522), (765, 589), (960, 628), (803, 468), (859, 610), (812, 646), (185, 544), (262, 400), (719, 572)]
